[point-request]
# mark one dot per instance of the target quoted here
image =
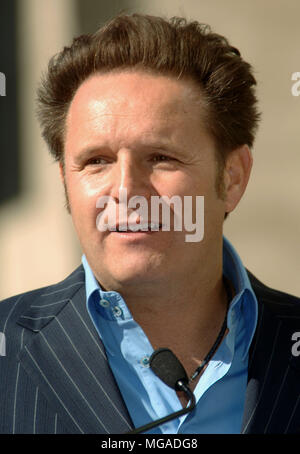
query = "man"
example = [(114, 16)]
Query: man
[(150, 108)]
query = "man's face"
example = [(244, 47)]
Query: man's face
[(143, 133)]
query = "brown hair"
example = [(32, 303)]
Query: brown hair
[(176, 47)]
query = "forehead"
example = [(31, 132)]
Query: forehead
[(138, 103), (133, 89)]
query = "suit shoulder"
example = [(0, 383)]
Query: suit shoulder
[(12, 307), (23, 299), (281, 301)]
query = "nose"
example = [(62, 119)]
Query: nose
[(130, 174)]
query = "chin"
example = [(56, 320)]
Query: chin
[(134, 272)]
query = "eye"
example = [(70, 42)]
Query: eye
[(97, 161), (161, 158)]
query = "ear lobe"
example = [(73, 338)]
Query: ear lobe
[(237, 172)]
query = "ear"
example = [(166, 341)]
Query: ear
[(236, 175)]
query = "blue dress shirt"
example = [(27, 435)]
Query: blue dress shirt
[(220, 392)]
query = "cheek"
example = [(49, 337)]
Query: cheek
[(201, 184), (178, 183), (82, 201)]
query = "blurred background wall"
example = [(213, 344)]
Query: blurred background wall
[(37, 243)]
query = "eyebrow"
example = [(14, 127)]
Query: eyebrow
[(86, 153), (90, 151)]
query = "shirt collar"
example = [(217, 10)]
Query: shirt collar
[(244, 301), (95, 293), (91, 284)]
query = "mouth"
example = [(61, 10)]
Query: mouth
[(138, 228)]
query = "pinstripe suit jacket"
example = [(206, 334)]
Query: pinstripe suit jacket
[(55, 377)]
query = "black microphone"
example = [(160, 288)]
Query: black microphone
[(169, 369)]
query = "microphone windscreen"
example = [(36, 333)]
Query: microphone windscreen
[(167, 367)]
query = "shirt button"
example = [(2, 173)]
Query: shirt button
[(117, 311), (145, 361), (104, 303)]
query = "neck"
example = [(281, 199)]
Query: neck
[(187, 321)]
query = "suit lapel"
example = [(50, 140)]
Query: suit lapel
[(271, 373), (66, 359)]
